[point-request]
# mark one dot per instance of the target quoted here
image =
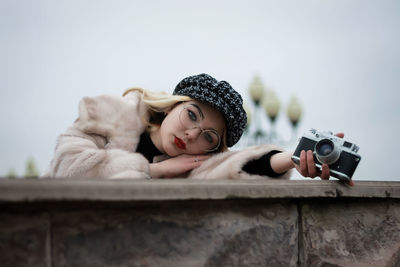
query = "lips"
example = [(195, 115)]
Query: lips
[(179, 143)]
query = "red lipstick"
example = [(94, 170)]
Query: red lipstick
[(179, 143)]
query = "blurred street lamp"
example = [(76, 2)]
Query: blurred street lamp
[(256, 90), (267, 106), (249, 115), (294, 111), (271, 106)]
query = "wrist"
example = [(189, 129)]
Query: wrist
[(291, 161), (282, 162), (155, 170), (288, 160)]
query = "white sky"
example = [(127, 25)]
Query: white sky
[(341, 58)]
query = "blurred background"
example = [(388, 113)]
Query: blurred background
[(337, 60)]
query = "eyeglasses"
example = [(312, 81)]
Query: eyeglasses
[(191, 118)]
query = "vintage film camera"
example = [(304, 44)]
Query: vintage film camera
[(340, 155)]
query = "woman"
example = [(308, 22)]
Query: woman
[(154, 135)]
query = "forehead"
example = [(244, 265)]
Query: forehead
[(213, 118)]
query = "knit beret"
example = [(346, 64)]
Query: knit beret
[(220, 95)]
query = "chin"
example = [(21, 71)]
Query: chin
[(172, 152)]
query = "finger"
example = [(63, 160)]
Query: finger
[(303, 163), (325, 173), (312, 170), (197, 161), (340, 135), (204, 157), (198, 158), (196, 164)]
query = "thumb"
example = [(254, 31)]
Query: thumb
[(340, 135)]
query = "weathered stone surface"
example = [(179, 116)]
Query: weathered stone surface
[(352, 233), (24, 240), (198, 223), (246, 234), (75, 189)]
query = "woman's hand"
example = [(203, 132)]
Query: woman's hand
[(176, 166), (307, 165)]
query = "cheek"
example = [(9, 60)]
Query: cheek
[(164, 129), (168, 128), (171, 123)]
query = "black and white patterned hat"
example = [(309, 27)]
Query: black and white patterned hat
[(221, 96)]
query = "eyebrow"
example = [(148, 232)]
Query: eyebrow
[(202, 115), (199, 109)]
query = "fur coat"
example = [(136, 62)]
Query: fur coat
[(103, 140)]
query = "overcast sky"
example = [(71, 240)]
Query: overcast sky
[(340, 58)]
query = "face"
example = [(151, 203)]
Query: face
[(191, 128)]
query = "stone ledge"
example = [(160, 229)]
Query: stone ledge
[(81, 222), (74, 189)]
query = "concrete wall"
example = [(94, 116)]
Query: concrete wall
[(75, 222)]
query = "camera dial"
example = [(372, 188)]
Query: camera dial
[(326, 151)]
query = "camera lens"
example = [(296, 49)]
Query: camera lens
[(325, 149), (326, 152)]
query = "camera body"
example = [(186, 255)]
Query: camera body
[(340, 155)]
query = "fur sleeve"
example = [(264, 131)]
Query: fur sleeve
[(118, 119), (103, 140), (81, 155), (229, 164)]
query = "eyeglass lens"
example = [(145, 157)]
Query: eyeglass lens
[(191, 118)]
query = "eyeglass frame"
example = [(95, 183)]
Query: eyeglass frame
[(197, 125)]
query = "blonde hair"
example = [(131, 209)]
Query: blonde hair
[(159, 103)]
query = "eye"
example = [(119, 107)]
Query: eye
[(192, 115), (209, 138)]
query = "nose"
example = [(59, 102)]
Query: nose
[(192, 134)]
